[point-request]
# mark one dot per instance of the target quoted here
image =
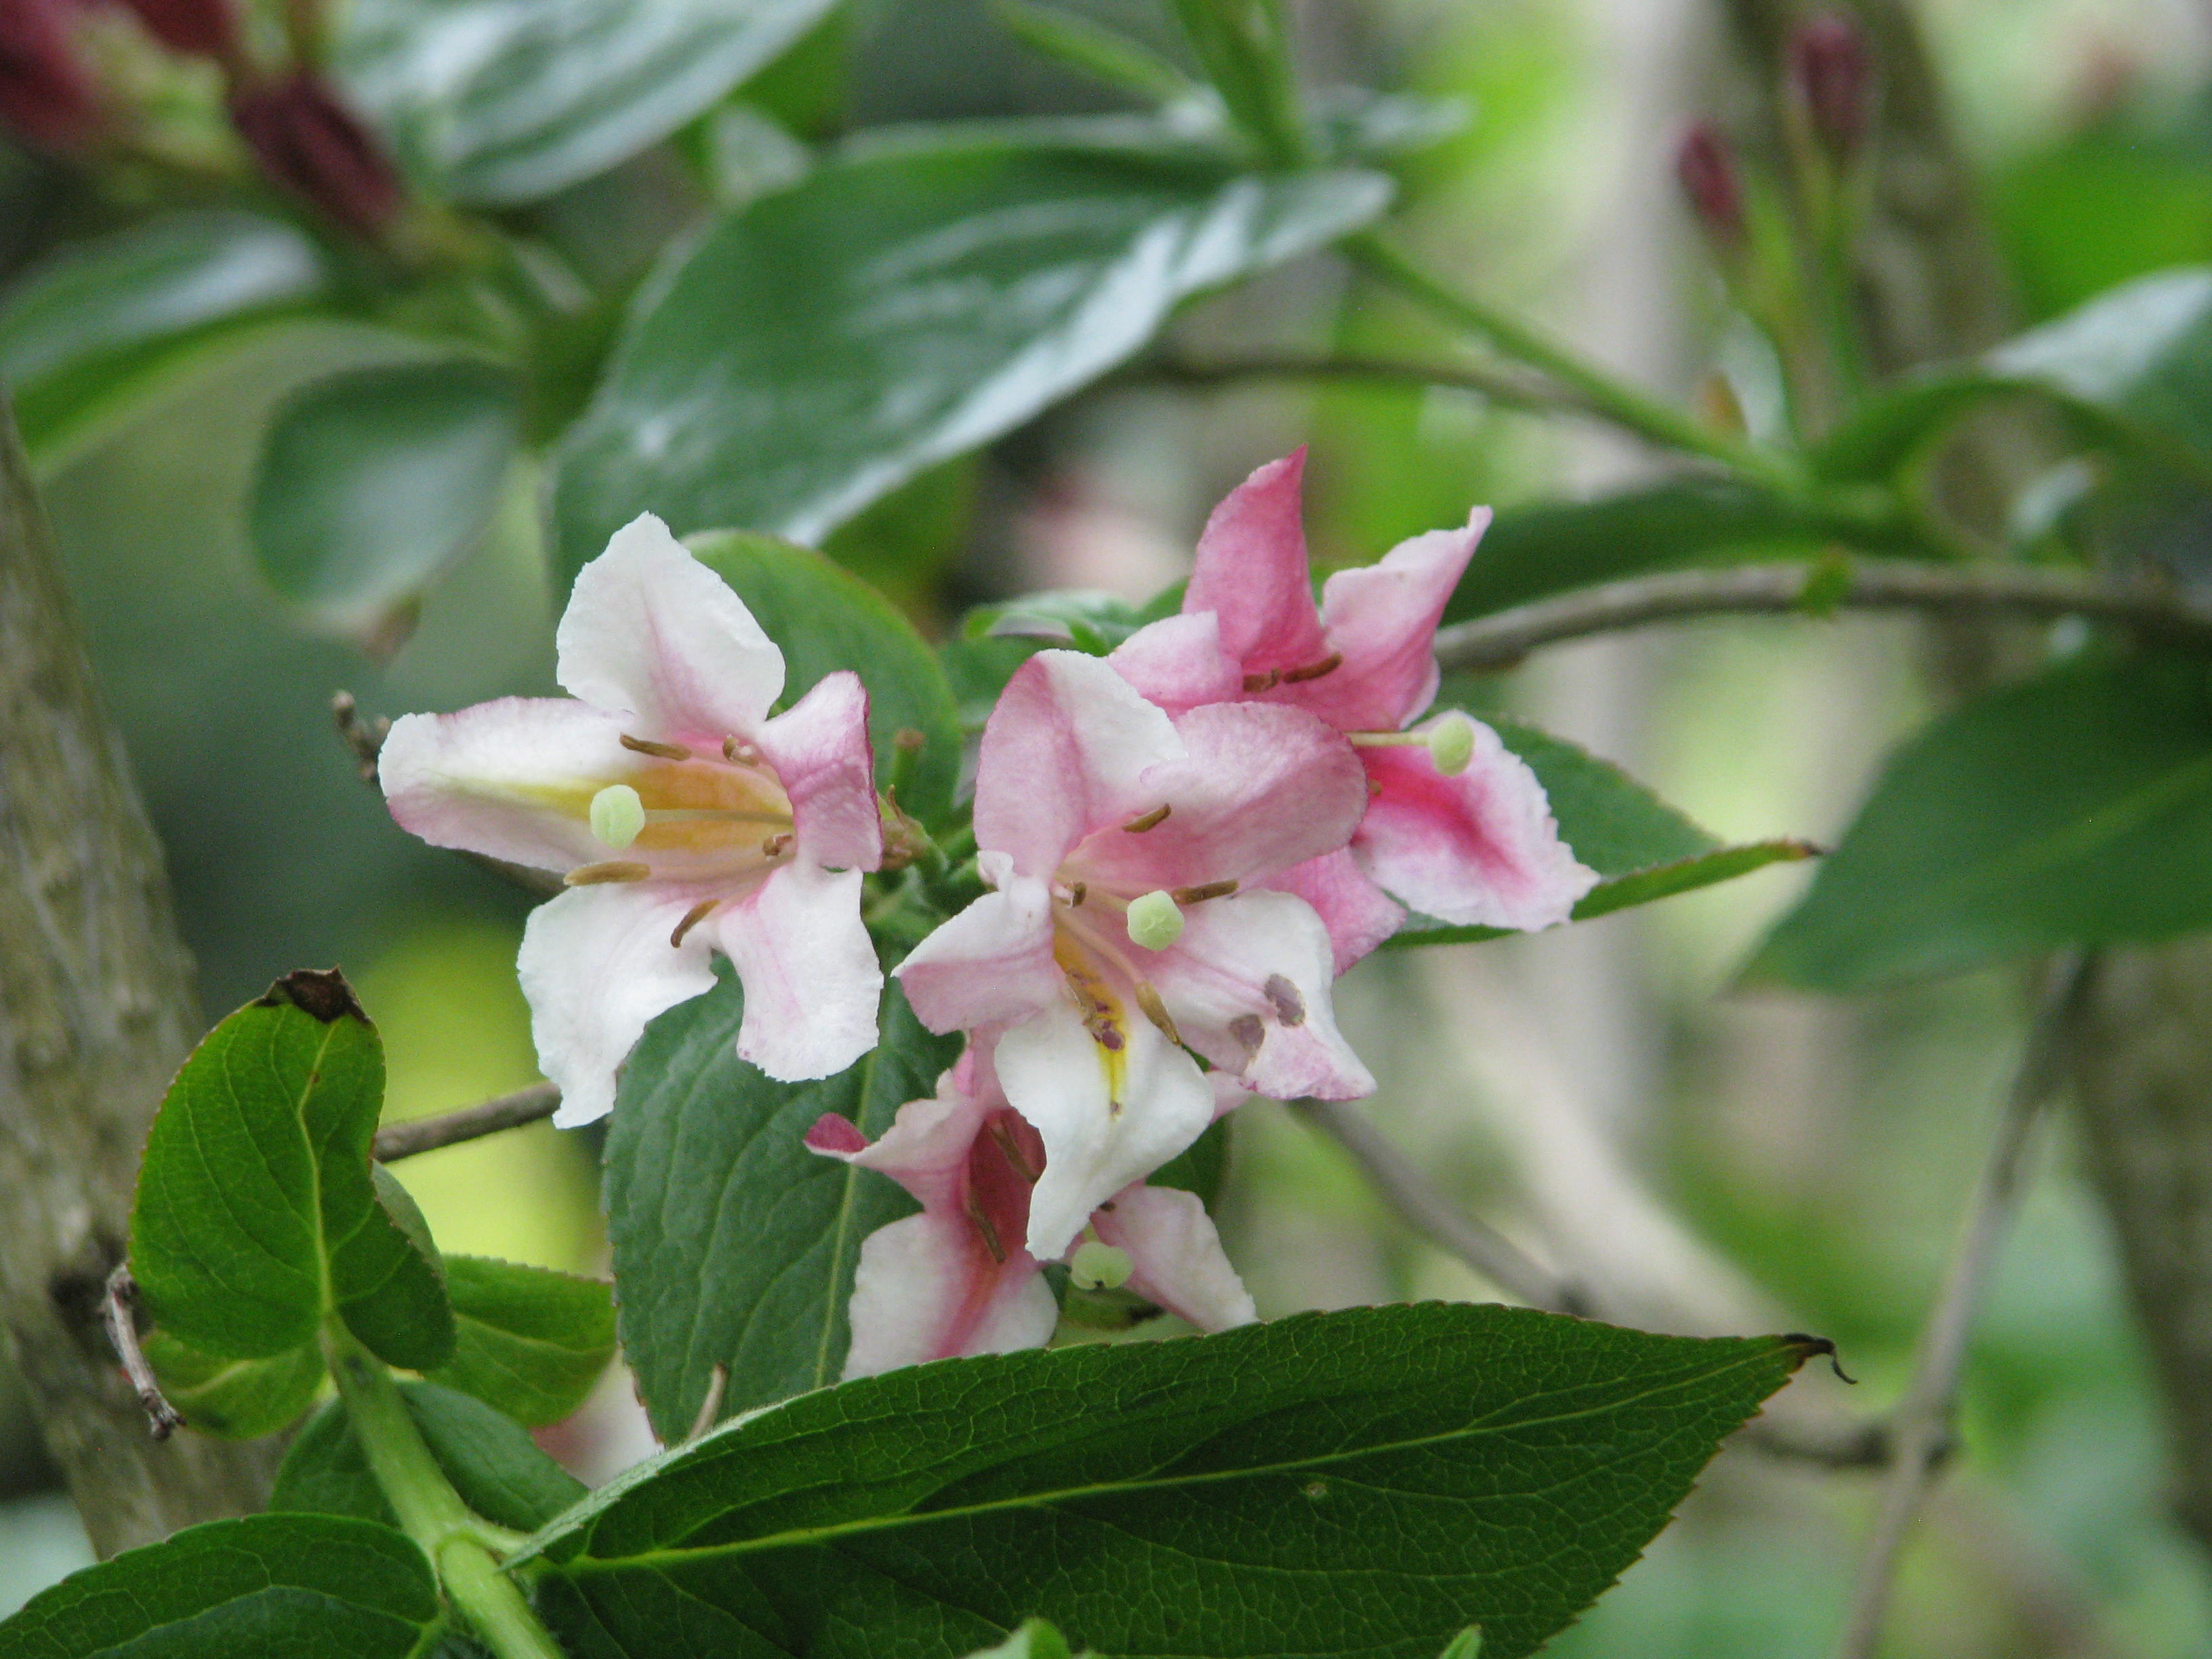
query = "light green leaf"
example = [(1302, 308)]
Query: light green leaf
[(734, 1245), (284, 1586), (2074, 808), (373, 481), (1033, 1639), (235, 1398), (1468, 1644), (89, 334), (528, 1340), (1362, 1483), (497, 103), (257, 1214), (812, 351)]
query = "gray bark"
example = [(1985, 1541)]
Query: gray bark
[(97, 1010)]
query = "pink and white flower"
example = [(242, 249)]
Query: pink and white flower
[(684, 819), (1127, 850), (1475, 846), (959, 1278)]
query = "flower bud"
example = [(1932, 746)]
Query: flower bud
[(618, 816), (1831, 75), (198, 28), (1451, 744), (1155, 920), (311, 144), (1096, 1267), (44, 93), (1706, 164)]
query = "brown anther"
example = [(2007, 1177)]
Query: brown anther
[(1283, 996), (1254, 683), (908, 739), (659, 750), (1203, 890), (1077, 894), (697, 913), (1157, 1012), (990, 1233), (739, 753), (1249, 1031), (776, 846), (1314, 671), (1373, 789), (1003, 1137), (591, 875), (1151, 820)]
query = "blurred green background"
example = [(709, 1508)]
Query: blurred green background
[(1600, 1090)]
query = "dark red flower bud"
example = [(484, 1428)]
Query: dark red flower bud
[(198, 28), (1832, 72), (311, 144), (44, 93), (1706, 164)]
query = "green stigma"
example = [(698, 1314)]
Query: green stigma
[(1096, 1267), (1155, 920), (617, 814), (1451, 744)]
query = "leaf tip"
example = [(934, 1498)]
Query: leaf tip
[(320, 993), (1815, 1347)]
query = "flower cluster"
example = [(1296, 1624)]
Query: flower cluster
[(1182, 846)]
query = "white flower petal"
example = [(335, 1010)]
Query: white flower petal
[(810, 972), (1177, 1257), (925, 1289), (990, 964), (512, 779)]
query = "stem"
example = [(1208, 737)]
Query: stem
[(1507, 388), (1920, 1427), (1623, 405), (430, 1511), (423, 1134)]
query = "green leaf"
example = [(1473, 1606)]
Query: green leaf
[(373, 481), (87, 336), (812, 351), (1468, 1644), (826, 619), (1363, 1483), (489, 102), (733, 1245), (528, 1340), (275, 1586), (235, 1398), (2074, 808), (1035, 1639), (1642, 849), (257, 1215), (493, 1465)]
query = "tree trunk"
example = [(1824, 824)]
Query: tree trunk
[(97, 1010)]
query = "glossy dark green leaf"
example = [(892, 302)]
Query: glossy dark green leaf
[(734, 1246), (89, 333), (826, 619), (823, 344), (1534, 551), (274, 1586), (373, 481), (2074, 808), (527, 1341), (257, 1215), (493, 1465), (1362, 1483), (492, 102), (235, 1398), (1642, 849)]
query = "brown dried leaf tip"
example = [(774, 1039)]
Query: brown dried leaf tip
[(321, 992)]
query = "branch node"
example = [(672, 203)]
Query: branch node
[(119, 1310)]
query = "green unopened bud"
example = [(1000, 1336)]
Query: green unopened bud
[(617, 814), (1451, 744), (1155, 920), (1096, 1267)]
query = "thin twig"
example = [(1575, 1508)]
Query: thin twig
[(1500, 641), (1498, 386), (118, 1308), (1920, 1426), (425, 1134)]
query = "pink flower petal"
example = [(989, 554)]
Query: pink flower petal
[(1056, 1077), (1178, 662), (810, 972), (1062, 755), (926, 1289), (927, 1148), (1251, 572), (652, 633), (991, 963), (1248, 984), (819, 749), (512, 779), (1176, 1255), (596, 966), (1359, 914), (1258, 790), (1382, 619), (1480, 849)]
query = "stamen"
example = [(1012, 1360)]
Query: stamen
[(1151, 820), (697, 913), (591, 875), (1249, 1032), (1255, 683), (990, 1233), (662, 750), (776, 846), (1314, 671), (1098, 1267), (1157, 1012), (1154, 920), (1283, 996), (1451, 744), (618, 816), (1004, 1138), (1203, 891), (1374, 788), (1385, 739), (738, 752), (1078, 893)]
